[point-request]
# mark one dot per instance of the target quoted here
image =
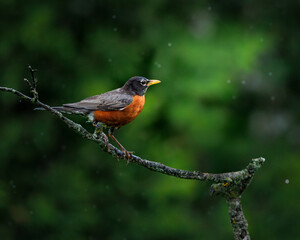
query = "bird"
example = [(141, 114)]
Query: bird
[(112, 109)]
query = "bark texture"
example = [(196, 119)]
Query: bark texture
[(237, 219)]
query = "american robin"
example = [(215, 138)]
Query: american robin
[(113, 109)]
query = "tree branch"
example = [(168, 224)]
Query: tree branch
[(230, 185), (237, 219)]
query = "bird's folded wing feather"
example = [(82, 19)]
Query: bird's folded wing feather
[(109, 101)]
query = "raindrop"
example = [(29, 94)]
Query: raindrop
[(158, 64), (13, 185), (287, 181), (169, 44), (209, 8), (243, 82), (109, 60), (262, 39), (273, 98), (115, 29), (228, 81), (233, 97), (270, 74), (113, 16)]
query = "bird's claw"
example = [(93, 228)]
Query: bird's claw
[(106, 141), (127, 155), (98, 133), (101, 135)]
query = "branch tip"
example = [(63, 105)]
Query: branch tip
[(33, 84)]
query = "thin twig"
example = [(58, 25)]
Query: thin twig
[(33, 78), (32, 85)]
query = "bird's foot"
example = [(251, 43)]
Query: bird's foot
[(101, 135), (97, 133), (106, 141), (127, 155)]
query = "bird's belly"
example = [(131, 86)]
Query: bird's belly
[(122, 117)]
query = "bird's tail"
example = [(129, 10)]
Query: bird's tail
[(63, 109), (42, 109)]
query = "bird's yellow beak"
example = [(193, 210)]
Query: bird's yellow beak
[(151, 82)]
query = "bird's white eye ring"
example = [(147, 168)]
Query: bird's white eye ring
[(143, 82)]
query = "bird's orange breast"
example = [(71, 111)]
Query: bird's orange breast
[(121, 117)]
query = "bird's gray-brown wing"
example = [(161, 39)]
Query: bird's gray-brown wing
[(110, 101)]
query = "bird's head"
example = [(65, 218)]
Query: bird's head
[(139, 85)]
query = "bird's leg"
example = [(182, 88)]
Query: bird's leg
[(126, 153), (100, 134)]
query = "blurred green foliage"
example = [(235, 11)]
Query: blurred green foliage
[(229, 93)]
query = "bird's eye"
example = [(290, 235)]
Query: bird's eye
[(143, 82)]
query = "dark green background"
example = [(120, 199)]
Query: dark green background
[(229, 92)]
